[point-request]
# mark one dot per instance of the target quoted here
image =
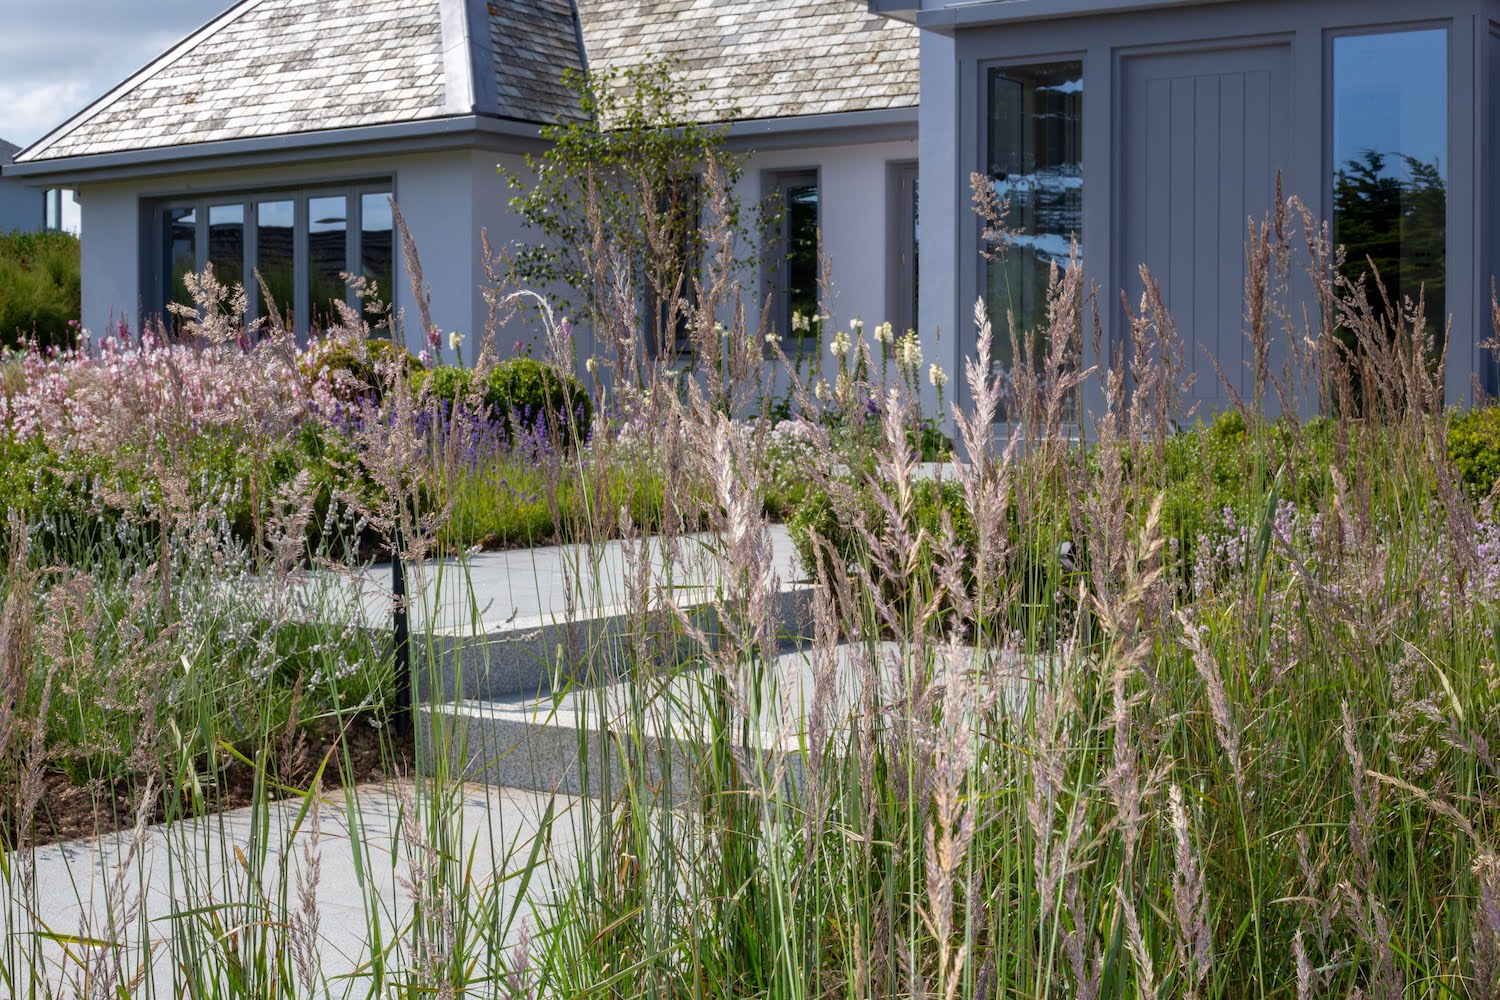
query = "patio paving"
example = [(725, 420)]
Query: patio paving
[(174, 870), (530, 587)]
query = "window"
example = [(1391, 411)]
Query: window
[(327, 258), (226, 243), (301, 243), (1390, 147), (1035, 163), (905, 222), (377, 247), (792, 263), (62, 211), (181, 245), (275, 257)]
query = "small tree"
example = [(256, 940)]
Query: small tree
[(619, 200)]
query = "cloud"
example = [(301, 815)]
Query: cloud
[(57, 56), (29, 111)]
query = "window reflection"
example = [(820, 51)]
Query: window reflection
[(275, 234), (328, 258), (377, 246), (226, 244), (801, 299), (1035, 163), (1390, 143), (182, 253)]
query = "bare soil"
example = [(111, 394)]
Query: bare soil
[(68, 810)]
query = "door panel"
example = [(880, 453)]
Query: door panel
[(1204, 134)]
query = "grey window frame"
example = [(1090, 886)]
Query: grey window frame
[(776, 264), (155, 294)]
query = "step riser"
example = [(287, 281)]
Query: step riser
[(549, 757), (534, 658)]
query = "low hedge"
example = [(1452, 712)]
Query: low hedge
[(1474, 448), (524, 394)]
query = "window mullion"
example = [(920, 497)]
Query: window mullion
[(300, 258), (252, 256)]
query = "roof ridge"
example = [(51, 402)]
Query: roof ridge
[(230, 14)]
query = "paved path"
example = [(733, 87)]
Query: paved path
[(535, 585), (156, 883)]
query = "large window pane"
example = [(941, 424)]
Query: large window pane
[(793, 261), (226, 243), (275, 257), (377, 246), (802, 250), (1390, 151), (181, 241), (328, 258), (1035, 163)]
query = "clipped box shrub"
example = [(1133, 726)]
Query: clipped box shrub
[(524, 394), (354, 370), (1474, 448)]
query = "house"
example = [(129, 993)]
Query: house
[(21, 207), (1154, 129), (271, 138)]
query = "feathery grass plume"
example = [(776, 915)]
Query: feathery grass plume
[(105, 970), (432, 337), (306, 921), (984, 477), (1485, 935), (1158, 362), (1226, 729), (1140, 950), (1189, 901), (950, 831), (17, 626)]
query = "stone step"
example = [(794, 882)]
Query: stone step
[(581, 739), (534, 655)]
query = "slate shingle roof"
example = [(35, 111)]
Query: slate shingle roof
[(277, 67), (274, 67), (534, 43), (8, 151), (766, 58)]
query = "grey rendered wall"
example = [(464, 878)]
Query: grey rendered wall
[(1489, 190), (21, 207), (943, 309), (1104, 41), (434, 190)]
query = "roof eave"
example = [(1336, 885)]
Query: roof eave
[(945, 20), (426, 135), (896, 10), (843, 127)]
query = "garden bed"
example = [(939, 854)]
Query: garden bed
[(68, 810)]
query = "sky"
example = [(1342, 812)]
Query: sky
[(57, 56)]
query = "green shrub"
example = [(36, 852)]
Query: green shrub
[(363, 365), (447, 383), (523, 393), (527, 393), (1474, 448), (40, 288)]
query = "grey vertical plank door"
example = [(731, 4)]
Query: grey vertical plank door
[(1204, 133)]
